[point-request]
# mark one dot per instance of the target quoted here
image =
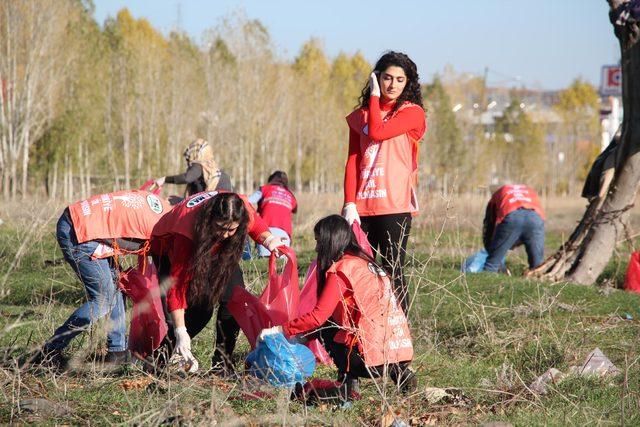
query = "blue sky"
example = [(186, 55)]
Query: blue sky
[(543, 43)]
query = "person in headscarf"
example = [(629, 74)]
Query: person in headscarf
[(203, 173)]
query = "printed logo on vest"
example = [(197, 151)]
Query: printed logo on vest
[(154, 203), (378, 271), (201, 198), (128, 200)]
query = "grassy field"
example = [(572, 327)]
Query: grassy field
[(485, 336)]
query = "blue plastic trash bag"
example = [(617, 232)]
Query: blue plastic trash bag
[(280, 362), (475, 263)]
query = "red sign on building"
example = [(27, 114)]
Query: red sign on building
[(611, 80)]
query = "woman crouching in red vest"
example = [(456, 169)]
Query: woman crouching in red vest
[(91, 233), (357, 314), (198, 246), (381, 170)]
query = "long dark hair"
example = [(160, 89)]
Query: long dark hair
[(411, 91), (279, 178), (215, 258), (334, 239)]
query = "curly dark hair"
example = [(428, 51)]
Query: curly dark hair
[(216, 258), (411, 91), (334, 238)]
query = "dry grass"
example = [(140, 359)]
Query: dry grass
[(487, 336)]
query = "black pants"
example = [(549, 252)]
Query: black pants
[(388, 235), (350, 362), (196, 317)]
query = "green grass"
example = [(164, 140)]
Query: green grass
[(487, 335)]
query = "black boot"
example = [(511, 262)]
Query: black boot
[(44, 358), (117, 358), (227, 330), (405, 379)]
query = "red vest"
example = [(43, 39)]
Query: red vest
[(371, 314), (388, 169), (122, 214), (509, 198), (276, 206), (181, 220)]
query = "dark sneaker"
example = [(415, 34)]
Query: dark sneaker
[(407, 381), (353, 387), (317, 392), (117, 358), (44, 358)]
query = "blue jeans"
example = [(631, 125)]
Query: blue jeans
[(279, 232), (522, 225), (99, 279)]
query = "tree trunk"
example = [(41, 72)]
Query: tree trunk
[(584, 256)]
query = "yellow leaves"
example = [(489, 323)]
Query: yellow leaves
[(350, 74), (579, 95), (139, 35), (311, 61)]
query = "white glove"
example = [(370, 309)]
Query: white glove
[(272, 243), (350, 213), (374, 86), (159, 181), (182, 351), (269, 331)]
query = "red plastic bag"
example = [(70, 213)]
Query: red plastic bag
[(250, 313), (309, 295), (148, 326), (282, 294), (632, 279), (277, 304), (362, 239)]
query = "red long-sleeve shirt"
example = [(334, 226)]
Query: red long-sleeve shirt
[(409, 120), (335, 291)]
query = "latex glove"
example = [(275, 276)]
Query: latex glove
[(269, 331), (350, 213), (273, 243), (190, 365), (374, 86), (183, 349), (159, 181)]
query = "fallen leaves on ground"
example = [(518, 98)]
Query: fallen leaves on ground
[(138, 383)]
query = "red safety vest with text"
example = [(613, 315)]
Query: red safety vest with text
[(121, 214), (276, 207), (388, 169), (370, 316), (182, 218)]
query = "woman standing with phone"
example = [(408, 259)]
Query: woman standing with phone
[(381, 169)]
